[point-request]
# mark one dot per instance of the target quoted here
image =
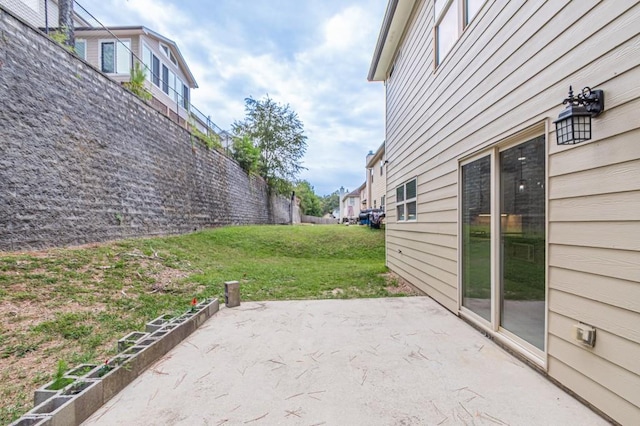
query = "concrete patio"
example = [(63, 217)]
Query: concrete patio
[(397, 361)]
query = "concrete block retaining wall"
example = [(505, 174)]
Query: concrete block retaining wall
[(83, 160), (318, 220)]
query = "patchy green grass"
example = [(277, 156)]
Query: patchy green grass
[(73, 304)]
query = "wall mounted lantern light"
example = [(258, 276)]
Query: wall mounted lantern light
[(574, 123)]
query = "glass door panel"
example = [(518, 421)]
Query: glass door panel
[(522, 236), (476, 237)]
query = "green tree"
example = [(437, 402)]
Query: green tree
[(330, 202), (278, 133), (310, 203), (246, 154)]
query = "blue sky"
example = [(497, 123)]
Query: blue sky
[(311, 54)]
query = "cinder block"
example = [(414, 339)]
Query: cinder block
[(59, 408), (121, 374), (88, 397), (131, 339), (35, 420)]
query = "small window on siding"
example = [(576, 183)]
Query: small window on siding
[(81, 48), (108, 57), (165, 79), (115, 57), (407, 201), (172, 87), (185, 96), (471, 9), (167, 52), (449, 16), (147, 61), (123, 57), (155, 70), (446, 31)]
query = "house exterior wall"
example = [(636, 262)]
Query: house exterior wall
[(161, 101), (351, 206), (376, 180), (154, 46), (93, 49), (503, 82)]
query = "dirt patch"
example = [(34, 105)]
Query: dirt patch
[(71, 290), (398, 285)]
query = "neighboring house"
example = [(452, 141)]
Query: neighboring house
[(376, 183), (115, 50), (534, 242), (39, 13), (351, 203)]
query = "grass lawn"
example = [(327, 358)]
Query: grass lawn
[(74, 304)]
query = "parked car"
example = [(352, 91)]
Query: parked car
[(371, 217)]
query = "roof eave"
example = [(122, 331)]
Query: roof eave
[(395, 20), (177, 51)]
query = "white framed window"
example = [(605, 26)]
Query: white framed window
[(81, 48), (181, 93), (165, 79), (185, 96), (382, 199), (407, 201), (167, 52), (451, 18), (173, 93), (147, 60), (155, 70), (115, 56)]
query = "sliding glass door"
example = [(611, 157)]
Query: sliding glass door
[(476, 237), (503, 239), (522, 237)]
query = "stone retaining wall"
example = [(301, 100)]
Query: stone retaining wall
[(83, 160), (318, 220)]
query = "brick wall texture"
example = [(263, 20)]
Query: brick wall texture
[(83, 160)]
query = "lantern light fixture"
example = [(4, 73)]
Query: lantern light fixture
[(574, 123)]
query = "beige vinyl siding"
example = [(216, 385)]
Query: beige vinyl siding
[(24, 11), (509, 71), (35, 16)]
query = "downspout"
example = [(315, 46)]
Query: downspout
[(46, 17)]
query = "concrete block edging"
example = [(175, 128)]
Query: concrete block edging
[(94, 385)]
